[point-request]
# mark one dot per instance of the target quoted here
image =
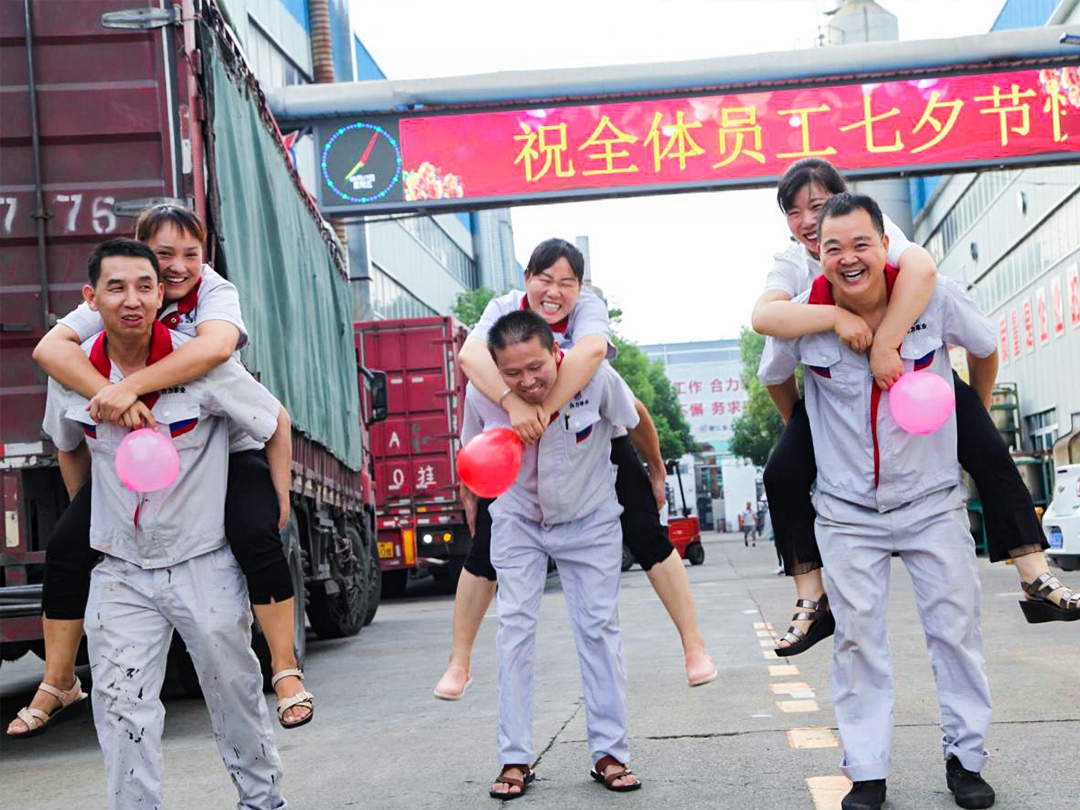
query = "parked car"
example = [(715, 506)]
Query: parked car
[(1061, 521)]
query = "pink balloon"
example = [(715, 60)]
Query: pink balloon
[(146, 461), (921, 402)]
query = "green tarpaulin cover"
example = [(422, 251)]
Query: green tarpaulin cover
[(296, 305)]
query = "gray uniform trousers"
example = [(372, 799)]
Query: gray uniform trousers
[(130, 617), (934, 541), (588, 553)]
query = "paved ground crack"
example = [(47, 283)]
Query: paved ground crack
[(555, 737)]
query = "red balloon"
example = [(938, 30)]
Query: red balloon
[(488, 464)]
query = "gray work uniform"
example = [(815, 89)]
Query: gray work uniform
[(562, 504), (880, 490), (214, 299), (167, 566)]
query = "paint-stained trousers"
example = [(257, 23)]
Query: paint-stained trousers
[(129, 622), (934, 542), (588, 553)]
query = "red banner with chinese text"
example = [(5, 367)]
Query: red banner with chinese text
[(739, 138)]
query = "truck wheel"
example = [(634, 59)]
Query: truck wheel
[(627, 559), (374, 582), (338, 606), (294, 556), (695, 553), (394, 583)]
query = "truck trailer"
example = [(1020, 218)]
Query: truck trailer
[(109, 106)]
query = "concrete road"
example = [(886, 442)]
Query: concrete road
[(762, 737)]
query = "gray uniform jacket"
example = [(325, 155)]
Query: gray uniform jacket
[(568, 474), (863, 456), (588, 317), (186, 519)]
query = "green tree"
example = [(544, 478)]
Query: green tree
[(470, 304), (650, 383), (758, 429)]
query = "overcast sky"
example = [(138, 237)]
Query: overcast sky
[(682, 267)]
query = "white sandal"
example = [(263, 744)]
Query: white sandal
[(37, 722), (304, 699)]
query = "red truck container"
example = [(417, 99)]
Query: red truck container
[(419, 515), (104, 106)]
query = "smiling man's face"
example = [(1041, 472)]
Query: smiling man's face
[(853, 256), (127, 296), (528, 369)]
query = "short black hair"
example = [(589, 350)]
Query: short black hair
[(119, 247), (519, 326), (806, 172), (156, 217), (843, 204), (550, 251)]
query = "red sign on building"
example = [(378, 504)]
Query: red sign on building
[(738, 139)]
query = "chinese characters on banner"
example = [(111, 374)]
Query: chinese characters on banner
[(1043, 316), (1037, 324), (1003, 335), (1074, 295), (1015, 333), (711, 396), (1029, 327), (739, 137)]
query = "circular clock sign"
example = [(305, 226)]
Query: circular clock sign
[(361, 163)]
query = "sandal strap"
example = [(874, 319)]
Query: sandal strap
[(33, 718), (793, 635), (286, 673), (606, 761), (305, 700), (65, 696), (513, 781)]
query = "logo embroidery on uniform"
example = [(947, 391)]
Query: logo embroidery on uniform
[(176, 389), (182, 427), (925, 360), (916, 327)]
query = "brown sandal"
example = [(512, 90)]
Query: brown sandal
[(512, 781), (1038, 607), (608, 780)]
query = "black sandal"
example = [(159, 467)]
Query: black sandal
[(1039, 608), (608, 780), (512, 781), (822, 626)]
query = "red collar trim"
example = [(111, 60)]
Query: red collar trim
[(191, 300), (160, 345), (559, 327), (821, 289)]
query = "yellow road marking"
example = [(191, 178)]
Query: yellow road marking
[(828, 791), (769, 655), (763, 626), (792, 688), (781, 670), (812, 738), (797, 706), (767, 642), (766, 634)]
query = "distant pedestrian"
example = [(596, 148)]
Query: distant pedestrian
[(748, 523)]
